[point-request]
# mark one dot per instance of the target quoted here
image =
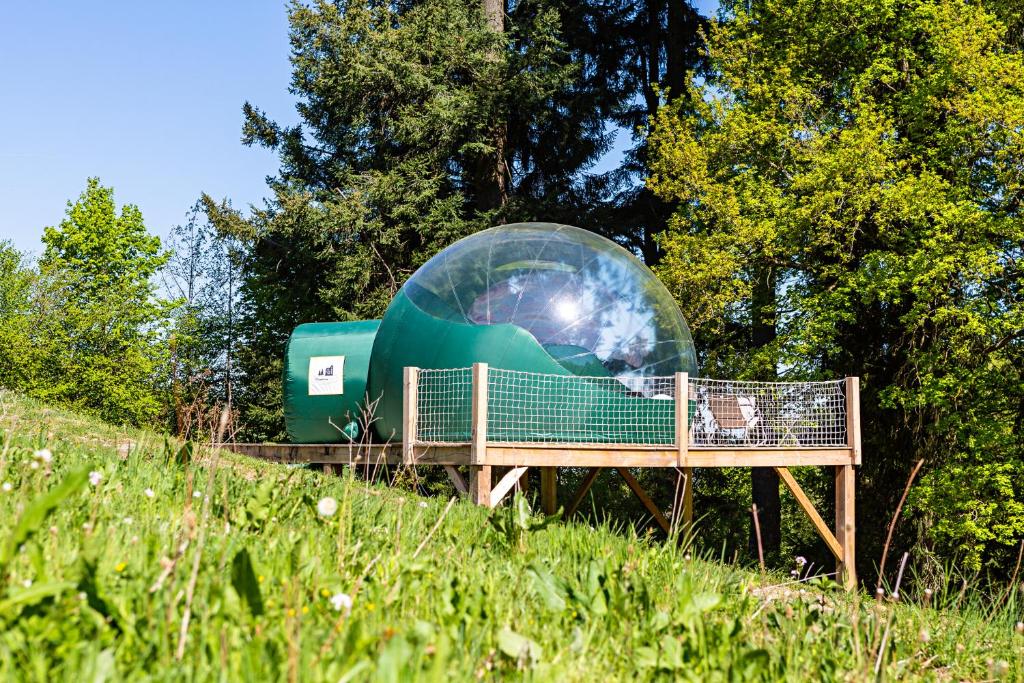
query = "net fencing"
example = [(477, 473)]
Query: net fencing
[(529, 407)]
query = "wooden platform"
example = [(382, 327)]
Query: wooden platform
[(478, 456)]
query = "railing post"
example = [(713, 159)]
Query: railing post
[(683, 445), (853, 417), (410, 409), (479, 471)]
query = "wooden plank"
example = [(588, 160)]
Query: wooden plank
[(581, 493), (808, 507), (510, 479), (846, 528), (639, 492), (572, 455), (410, 396), (478, 453), (544, 455), (549, 490), (682, 416), (687, 498), (853, 417), (458, 481), (480, 484)]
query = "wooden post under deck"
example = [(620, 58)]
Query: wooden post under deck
[(683, 445), (549, 490), (846, 526), (410, 396), (479, 473)]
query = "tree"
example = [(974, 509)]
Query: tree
[(18, 356), (98, 315), (869, 157), (203, 274), (421, 124)]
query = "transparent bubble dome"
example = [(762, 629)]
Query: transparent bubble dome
[(592, 305)]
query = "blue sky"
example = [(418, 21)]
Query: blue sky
[(145, 95)]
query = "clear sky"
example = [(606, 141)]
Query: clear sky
[(145, 95)]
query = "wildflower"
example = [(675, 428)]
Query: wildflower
[(801, 561), (53, 530), (120, 567), (324, 593), (924, 636), (27, 583), (43, 455), (197, 494), (83, 597), (327, 506), (128, 520), (305, 610), (423, 503), (149, 493), (34, 464), (794, 573), (291, 611), (1020, 627), (6, 486), (341, 601), (95, 478), (135, 539), (87, 527), (259, 579)]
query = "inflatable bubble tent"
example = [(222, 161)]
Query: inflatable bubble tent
[(534, 297)]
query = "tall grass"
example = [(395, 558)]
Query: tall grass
[(100, 571)]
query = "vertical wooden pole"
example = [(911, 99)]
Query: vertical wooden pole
[(549, 490), (410, 398), (853, 417), (682, 417), (683, 444), (846, 528), (479, 471)]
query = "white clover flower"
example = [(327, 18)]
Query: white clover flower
[(423, 503), (149, 493), (6, 486), (34, 464), (341, 601), (95, 478), (1020, 627), (27, 583), (794, 573), (128, 520), (327, 507), (801, 561), (43, 455), (87, 527), (197, 494)]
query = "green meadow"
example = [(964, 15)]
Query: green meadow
[(126, 556)]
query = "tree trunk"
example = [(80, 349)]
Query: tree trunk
[(764, 481), (491, 172)]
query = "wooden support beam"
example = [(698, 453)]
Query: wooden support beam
[(458, 481), (687, 498), (682, 417), (479, 472), (581, 493), (853, 417), (846, 528), (329, 469), (639, 492), (410, 397), (506, 484), (549, 490), (480, 484), (808, 507)]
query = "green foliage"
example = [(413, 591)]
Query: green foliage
[(101, 588), (865, 160)]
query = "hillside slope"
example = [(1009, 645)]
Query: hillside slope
[(122, 557)]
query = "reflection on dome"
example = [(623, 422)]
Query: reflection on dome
[(591, 304)]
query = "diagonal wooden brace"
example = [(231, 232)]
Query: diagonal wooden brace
[(819, 524), (506, 484), (639, 492), (458, 481)]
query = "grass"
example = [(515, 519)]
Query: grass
[(215, 567)]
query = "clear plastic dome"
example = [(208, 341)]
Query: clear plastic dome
[(593, 306)]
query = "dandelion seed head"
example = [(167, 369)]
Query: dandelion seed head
[(327, 506), (341, 601)]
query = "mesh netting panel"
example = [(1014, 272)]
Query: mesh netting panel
[(540, 408), (534, 407), (444, 412), (767, 414)]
